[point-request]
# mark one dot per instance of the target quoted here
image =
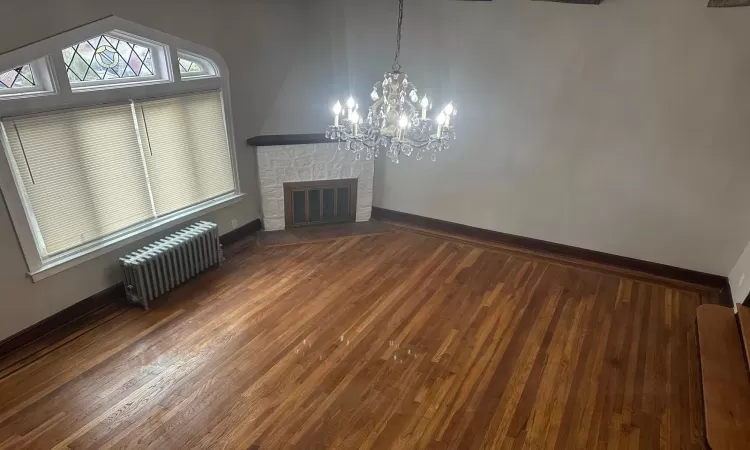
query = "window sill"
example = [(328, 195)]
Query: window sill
[(59, 263)]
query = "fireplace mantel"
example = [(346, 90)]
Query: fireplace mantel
[(287, 139)]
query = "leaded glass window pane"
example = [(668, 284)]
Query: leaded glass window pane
[(190, 67), (20, 77), (107, 57)]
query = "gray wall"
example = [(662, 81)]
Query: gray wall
[(621, 128), (260, 43), (738, 277)]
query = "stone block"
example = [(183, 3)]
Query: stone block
[(303, 150), (268, 181), (273, 193), (263, 162), (271, 208), (273, 223), (304, 174), (281, 163), (266, 172), (319, 172), (304, 161)]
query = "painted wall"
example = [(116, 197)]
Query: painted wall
[(738, 277), (259, 41), (620, 127)]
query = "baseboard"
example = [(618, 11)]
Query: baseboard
[(567, 251), (241, 233), (113, 294)]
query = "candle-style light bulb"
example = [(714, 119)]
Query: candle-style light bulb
[(440, 121), (350, 106), (425, 103), (336, 112), (354, 117), (448, 112), (403, 122)]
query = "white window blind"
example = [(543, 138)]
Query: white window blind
[(89, 173), (82, 173), (186, 150)]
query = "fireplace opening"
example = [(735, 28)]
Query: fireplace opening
[(319, 202)]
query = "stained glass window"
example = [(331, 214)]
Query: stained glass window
[(107, 57), (20, 77), (193, 66), (188, 66)]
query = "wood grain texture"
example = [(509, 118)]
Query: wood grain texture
[(726, 385), (393, 340), (555, 250), (743, 319)]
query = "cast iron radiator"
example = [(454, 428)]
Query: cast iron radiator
[(160, 267)]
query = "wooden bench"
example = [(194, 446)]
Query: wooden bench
[(724, 373)]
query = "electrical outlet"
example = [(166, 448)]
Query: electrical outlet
[(742, 278), (234, 225)]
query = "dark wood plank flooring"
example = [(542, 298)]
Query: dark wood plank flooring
[(395, 340), (320, 233)]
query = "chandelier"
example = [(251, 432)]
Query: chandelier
[(396, 122)]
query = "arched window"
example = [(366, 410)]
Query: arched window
[(193, 66), (111, 132)]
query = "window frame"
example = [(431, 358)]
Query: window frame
[(62, 97)]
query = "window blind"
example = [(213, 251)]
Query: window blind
[(89, 173), (82, 172), (186, 149)]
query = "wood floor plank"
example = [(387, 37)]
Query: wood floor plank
[(398, 339)]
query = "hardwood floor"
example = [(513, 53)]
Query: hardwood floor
[(395, 340)]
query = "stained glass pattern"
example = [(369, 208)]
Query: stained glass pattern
[(191, 68), (106, 57), (20, 77)]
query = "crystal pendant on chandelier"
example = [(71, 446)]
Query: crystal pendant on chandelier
[(396, 121)]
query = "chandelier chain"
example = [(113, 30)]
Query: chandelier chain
[(396, 65)]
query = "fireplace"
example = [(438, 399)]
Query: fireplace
[(318, 202), (314, 172)]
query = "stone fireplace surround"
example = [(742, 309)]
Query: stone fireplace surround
[(279, 164)]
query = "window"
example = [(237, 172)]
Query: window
[(192, 66), (108, 58), (90, 173), (18, 78), (25, 80), (128, 135), (82, 173), (187, 156)]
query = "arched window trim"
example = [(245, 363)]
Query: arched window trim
[(59, 95)]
